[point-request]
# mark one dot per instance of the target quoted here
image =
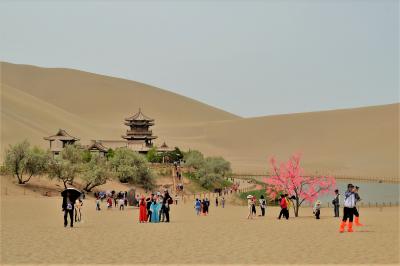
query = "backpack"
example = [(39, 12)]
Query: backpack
[(170, 201)]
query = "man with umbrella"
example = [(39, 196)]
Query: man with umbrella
[(70, 195)]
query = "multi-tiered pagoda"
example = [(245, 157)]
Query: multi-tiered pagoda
[(139, 137)]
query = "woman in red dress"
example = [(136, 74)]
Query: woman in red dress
[(142, 211)]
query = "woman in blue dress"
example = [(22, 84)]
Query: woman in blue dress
[(155, 210)]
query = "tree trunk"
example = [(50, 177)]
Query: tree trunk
[(296, 211)]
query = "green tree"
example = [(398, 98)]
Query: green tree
[(110, 153), (23, 161), (66, 166), (153, 156), (95, 172), (132, 167), (194, 159)]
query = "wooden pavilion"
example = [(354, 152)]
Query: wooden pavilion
[(59, 140)]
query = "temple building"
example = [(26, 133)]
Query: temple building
[(97, 147), (139, 136), (59, 140)]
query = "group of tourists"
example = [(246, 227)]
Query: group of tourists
[(70, 206), (202, 206), (251, 205), (155, 208)]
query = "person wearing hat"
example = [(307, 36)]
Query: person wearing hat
[(317, 209), (355, 211), (336, 203), (348, 209)]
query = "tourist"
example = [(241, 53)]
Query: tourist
[(109, 203), (216, 201), (68, 209), (78, 206), (204, 207), (142, 211), (98, 203), (167, 201), (207, 205), (160, 200), (197, 206), (176, 199), (289, 204), (250, 203), (317, 209), (115, 200), (253, 206), (263, 205), (355, 211), (149, 201), (284, 211), (155, 211), (336, 203), (223, 202), (348, 210), (121, 204)]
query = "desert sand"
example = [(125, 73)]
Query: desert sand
[(36, 101), (32, 232)]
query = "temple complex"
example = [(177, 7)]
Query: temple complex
[(139, 136), (59, 140)]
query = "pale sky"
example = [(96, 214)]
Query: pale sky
[(250, 58)]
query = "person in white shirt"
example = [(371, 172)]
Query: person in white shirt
[(348, 210)]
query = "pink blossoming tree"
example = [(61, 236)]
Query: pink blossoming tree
[(289, 178)]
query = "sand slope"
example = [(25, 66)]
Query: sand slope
[(35, 102)]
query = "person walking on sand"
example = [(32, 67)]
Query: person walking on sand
[(216, 201), (289, 204), (98, 203), (142, 211), (121, 203), (197, 207), (355, 210), (223, 202), (263, 205), (348, 210), (253, 207), (336, 203), (78, 207), (250, 204), (317, 209), (68, 209), (284, 211)]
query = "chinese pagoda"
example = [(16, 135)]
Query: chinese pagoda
[(139, 137)]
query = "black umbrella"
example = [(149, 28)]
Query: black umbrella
[(74, 194)]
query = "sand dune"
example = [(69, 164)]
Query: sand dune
[(37, 101)]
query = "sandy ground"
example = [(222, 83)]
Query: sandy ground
[(32, 232)]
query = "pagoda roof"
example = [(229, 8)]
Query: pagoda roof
[(61, 135), (139, 137), (164, 147), (139, 116), (97, 145)]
